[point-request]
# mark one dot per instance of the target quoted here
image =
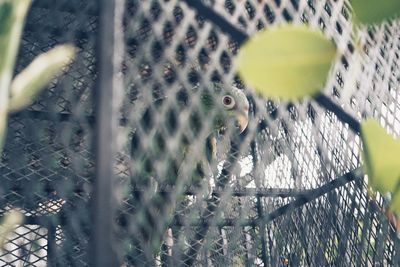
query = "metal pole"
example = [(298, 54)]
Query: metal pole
[(259, 205), (51, 245), (261, 228), (103, 252)]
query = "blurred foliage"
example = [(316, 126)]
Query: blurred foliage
[(19, 93), (286, 62), (374, 11), (31, 81), (381, 156)]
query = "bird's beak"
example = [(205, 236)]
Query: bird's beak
[(242, 121)]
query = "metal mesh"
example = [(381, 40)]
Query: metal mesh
[(47, 163), (288, 191)]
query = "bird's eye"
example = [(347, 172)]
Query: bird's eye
[(228, 101)]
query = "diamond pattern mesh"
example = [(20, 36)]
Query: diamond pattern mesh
[(288, 191), (47, 164)]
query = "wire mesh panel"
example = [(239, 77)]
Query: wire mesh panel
[(182, 48), (206, 172), (47, 164)]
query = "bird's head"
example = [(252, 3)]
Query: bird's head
[(231, 106)]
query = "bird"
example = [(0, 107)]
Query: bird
[(213, 110)]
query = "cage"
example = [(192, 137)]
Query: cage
[(104, 163)]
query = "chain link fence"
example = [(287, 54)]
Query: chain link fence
[(287, 191)]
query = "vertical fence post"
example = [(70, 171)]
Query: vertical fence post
[(261, 228), (103, 252), (259, 205), (51, 245)]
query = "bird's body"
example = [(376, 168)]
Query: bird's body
[(160, 181)]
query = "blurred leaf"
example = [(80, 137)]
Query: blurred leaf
[(287, 62), (43, 69), (12, 17), (374, 11), (11, 220), (381, 156)]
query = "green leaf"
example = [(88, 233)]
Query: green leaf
[(286, 62), (43, 69), (381, 156), (374, 11), (11, 220)]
